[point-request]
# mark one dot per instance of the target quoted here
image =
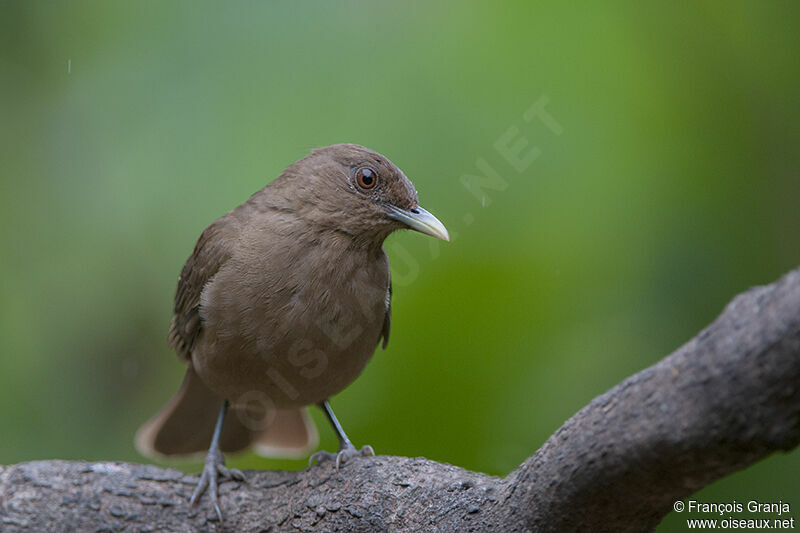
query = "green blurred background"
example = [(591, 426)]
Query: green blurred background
[(127, 127)]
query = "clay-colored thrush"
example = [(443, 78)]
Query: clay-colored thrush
[(280, 306)]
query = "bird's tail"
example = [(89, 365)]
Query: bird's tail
[(185, 425)]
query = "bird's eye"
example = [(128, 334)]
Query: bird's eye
[(366, 178)]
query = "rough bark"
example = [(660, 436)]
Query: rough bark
[(726, 399)]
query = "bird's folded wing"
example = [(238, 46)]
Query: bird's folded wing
[(387, 318), (213, 249)]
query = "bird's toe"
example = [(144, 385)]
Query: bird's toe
[(342, 456), (213, 470)]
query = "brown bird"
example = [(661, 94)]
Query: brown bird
[(280, 306)]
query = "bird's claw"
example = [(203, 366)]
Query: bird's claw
[(342, 456), (214, 468)]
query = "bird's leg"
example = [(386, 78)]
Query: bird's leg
[(214, 467), (346, 448)]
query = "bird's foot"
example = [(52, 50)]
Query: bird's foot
[(214, 468), (346, 453)]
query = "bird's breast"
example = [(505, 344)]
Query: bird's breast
[(293, 328)]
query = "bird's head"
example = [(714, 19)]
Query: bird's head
[(358, 191)]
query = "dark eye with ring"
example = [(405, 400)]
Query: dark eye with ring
[(366, 178)]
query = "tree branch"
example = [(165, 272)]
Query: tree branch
[(726, 399)]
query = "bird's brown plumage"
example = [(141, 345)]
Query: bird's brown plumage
[(283, 301)]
